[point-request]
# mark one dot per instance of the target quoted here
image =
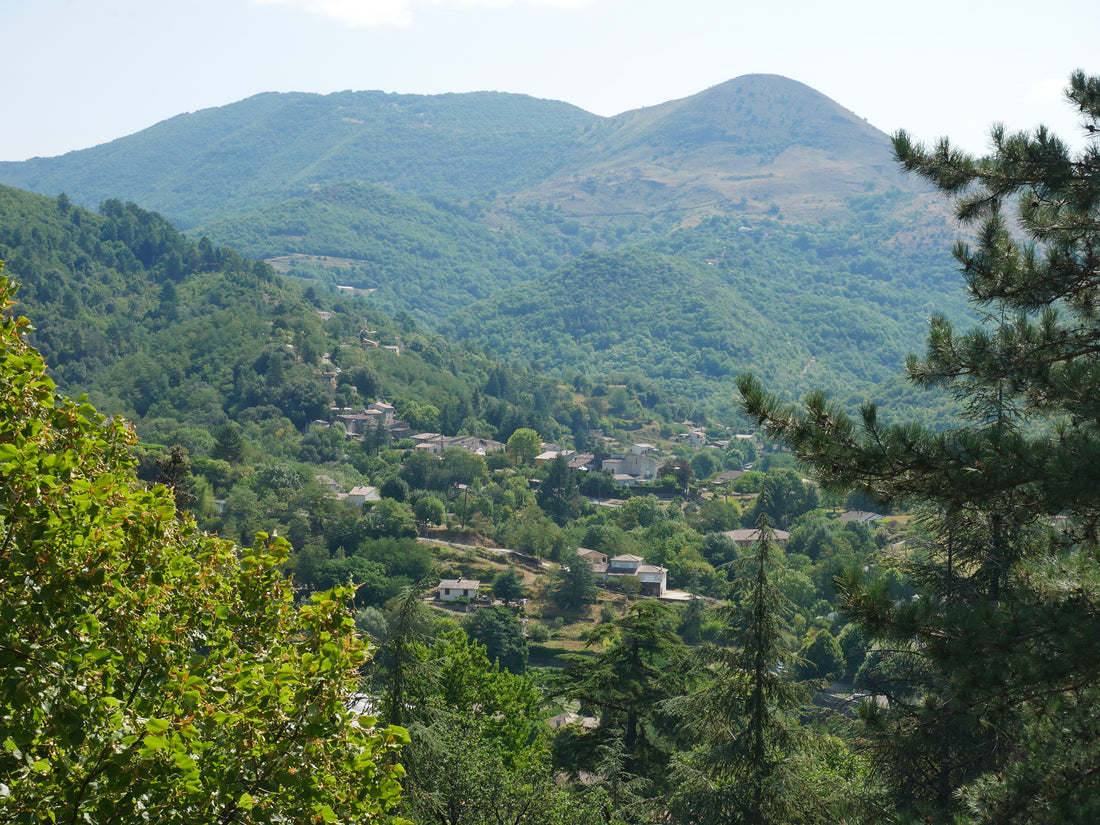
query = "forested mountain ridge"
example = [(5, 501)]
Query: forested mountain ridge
[(424, 257), (269, 147), (183, 337), (693, 310), (434, 204), (761, 138)]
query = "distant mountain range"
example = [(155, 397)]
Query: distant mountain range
[(761, 138), (756, 225)]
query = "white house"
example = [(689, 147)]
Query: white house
[(592, 556), (654, 579), (450, 590), (329, 483), (355, 423), (358, 496), (429, 442), (387, 410), (640, 468)]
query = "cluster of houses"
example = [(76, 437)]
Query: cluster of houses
[(637, 467), (436, 443), (357, 423)]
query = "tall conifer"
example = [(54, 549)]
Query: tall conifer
[(997, 716), (744, 720)]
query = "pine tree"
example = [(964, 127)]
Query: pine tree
[(175, 474), (557, 493), (229, 445), (998, 713)]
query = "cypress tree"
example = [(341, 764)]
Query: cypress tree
[(744, 719)]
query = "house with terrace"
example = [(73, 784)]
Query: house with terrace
[(654, 579)]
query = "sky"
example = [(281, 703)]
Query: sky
[(77, 73)]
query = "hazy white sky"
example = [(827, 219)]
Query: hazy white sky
[(76, 73)]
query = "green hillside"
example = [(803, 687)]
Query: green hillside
[(269, 147), (182, 336), (748, 143), (759, 138), (427, 259), (803, 310), (792, 245)]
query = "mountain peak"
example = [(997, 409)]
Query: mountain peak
[(766, 110)]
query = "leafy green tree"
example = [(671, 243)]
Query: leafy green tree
[(480, 756), (420, 471), (996, 710), (532, 532), (391, 518), (716, 515), (680, 470), (430, 509), (640, 511), (719, 549), (705, 463), (854, 644), (323, 445), (372, 624), (508, 585), (365, 380), (524, 445), (394, 488), (404, 558), (148, 667), (573, 585), (821, 657), (499, 631), (244, 511), (302, 396), (462, 467)]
